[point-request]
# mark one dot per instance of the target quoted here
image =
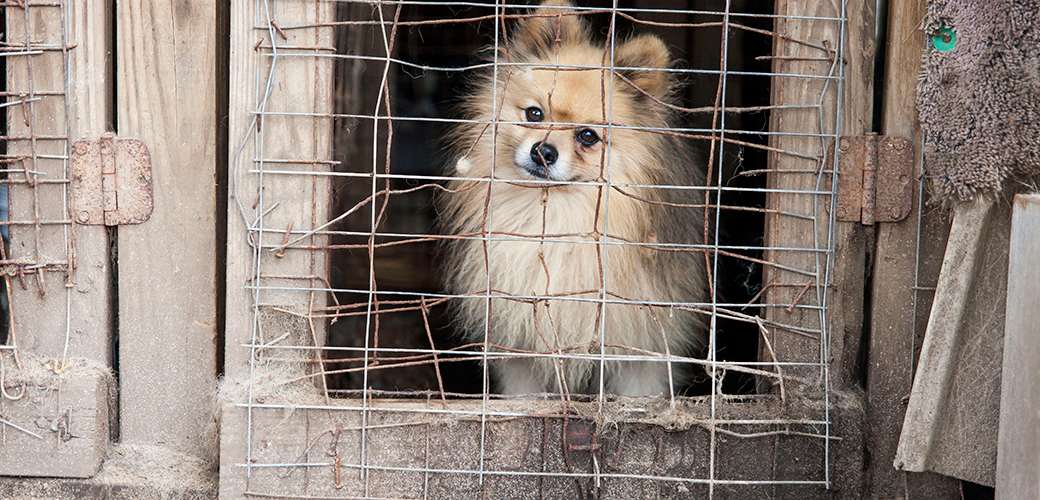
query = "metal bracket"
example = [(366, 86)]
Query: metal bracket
[(111, 181), (874, 174)]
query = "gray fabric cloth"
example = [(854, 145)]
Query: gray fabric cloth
[(978, 101)]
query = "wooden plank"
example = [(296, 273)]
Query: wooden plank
[(166, 98), (896, 327), (1019, 437), (80, 395), (39, 319), (301, 85), (91, 108), (66, 317), (242, 188), (850, 239), (46, 312), (836, 285), (414, 454), (841, 287), (826, 298), (952, 414), (290, 281)]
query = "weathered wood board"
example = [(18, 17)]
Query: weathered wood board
[(295, 137), (427, 450), (903, 280), (67, 416), (820, 286), (1018, 442), (63, 314), (167, 265), (44, 308)]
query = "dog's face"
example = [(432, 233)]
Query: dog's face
[(555, 122), (555, 100)]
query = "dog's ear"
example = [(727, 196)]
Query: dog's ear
[(641, 56), (535, 36)]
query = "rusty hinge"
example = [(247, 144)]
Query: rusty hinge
[(874, 174), (111, 181)]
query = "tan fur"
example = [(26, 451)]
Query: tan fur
[(547, 239)]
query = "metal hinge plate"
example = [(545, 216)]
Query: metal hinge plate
[(874, 179), (111, 181)]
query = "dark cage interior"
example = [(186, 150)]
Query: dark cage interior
[(390, 306)]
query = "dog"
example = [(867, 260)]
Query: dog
[(556, 207)]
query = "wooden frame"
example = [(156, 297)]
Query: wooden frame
[(332, 425)]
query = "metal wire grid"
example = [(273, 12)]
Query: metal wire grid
[(35, 161), (273, 49)]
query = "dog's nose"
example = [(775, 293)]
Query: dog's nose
[(544, 154)]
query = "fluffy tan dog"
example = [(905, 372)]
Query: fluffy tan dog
[(548, 199)]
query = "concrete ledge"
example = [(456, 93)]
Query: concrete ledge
[(128, 473)]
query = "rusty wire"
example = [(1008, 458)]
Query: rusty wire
[(373, 306)]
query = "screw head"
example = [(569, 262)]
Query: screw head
[(895, 212), (83, 217), (843, 145), (840, 212)]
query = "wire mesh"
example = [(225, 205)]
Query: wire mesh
[(38, 252), (356, 326)]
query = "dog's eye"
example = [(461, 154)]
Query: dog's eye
[(587, 136), (534, 114)]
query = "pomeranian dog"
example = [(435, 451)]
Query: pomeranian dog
[(563, 217)]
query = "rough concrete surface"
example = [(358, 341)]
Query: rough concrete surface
[(128, 473)]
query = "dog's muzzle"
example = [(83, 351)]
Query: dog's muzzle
[(544, 156)]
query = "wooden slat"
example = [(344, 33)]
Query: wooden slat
[(631, 450), (1019, 440), (65, 317), (850, 243), (166, 98), (894, 324), (844, 296), (42, 311), (299, 85), (90, 111), (242, 187), (837, 283)]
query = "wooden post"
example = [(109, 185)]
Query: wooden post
[(817, 292), (167, 265), (40, 313), (262, 283), (1019, 439), (797, 178), (895, 325), (62, 317)]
